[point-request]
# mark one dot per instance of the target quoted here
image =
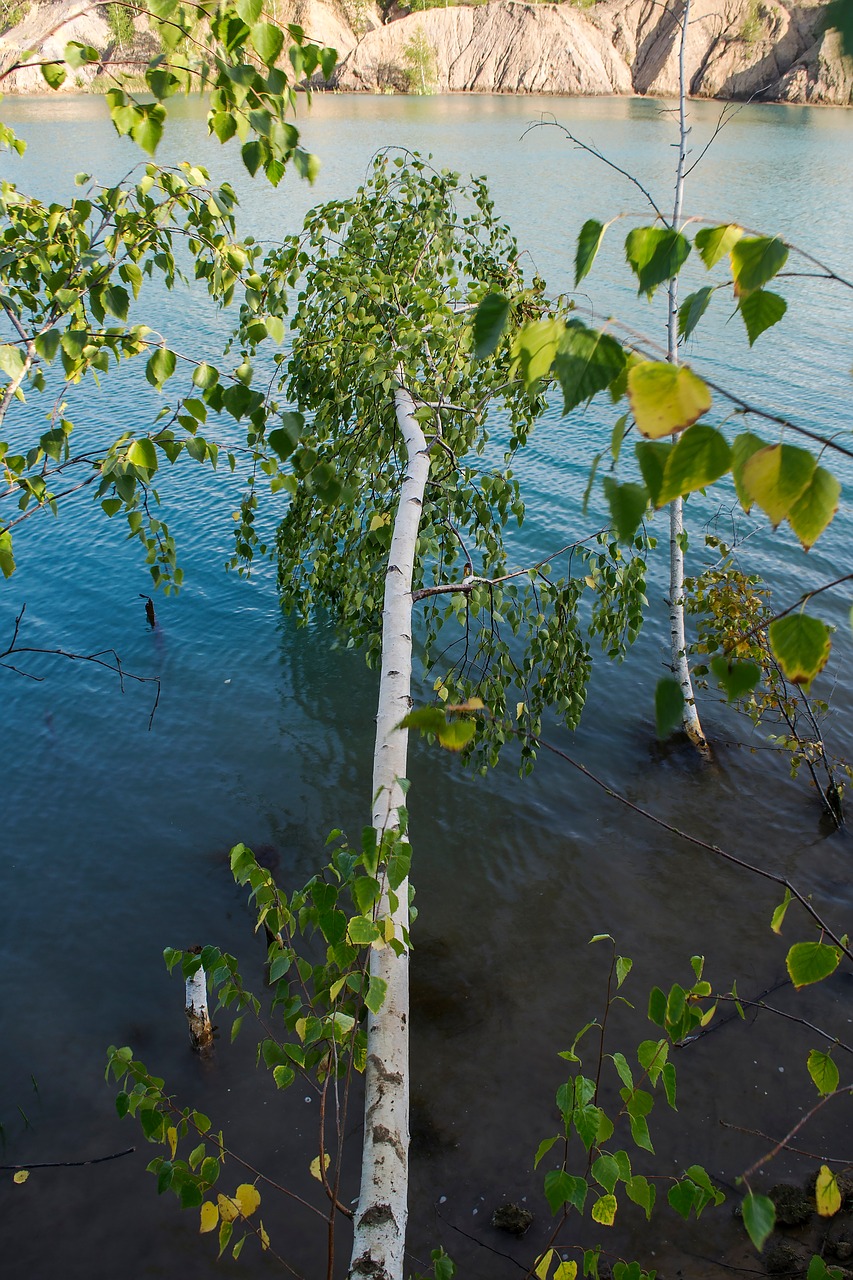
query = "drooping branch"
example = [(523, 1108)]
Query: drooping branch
[(107, 658)]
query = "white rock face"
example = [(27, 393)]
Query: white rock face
[(773, 50)]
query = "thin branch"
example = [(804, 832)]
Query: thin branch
[(783, 1142), (593, 151), (70, 1164), (844, 1161)]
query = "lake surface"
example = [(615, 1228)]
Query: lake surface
[(116, 838)]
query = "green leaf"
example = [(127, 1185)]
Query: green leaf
[(682, 1197), (760, 310), (375, 994), (809, 962), (542, 1150), (267, 41), (489, 324), (743, 447), (776, 477), (641, 1191), (605, 1170), (54, 73), (589, 243), (205, 376), (117, 301), (736, 678), (249, 10), (627, 504), (755, 260), (778, 917), (669, 706), (800, 645), (586, 362), (700, 456), (665, 398), (160, 366), (823, 1071), (759, 1218), (47, 344), (11, 361), (692, 310), (714, 243), (814, 510), (652, 456), (561, 1188), (534, 348), (454, 735), (655, 255), (147, 133), (362, 931), (143, 455)]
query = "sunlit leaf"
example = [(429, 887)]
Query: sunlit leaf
[(665, 398), (779, 913), (809, 962), (699, 457), (209, 1217), (743, 447), (823, 1072), (267, 41), (800, 645), (604, 1210), (815, 508), (534, 348), (713, 243), (228, 1209), (248, 1198), (755, 260), (776, 477), (655, 255), (143, 454), (826, 1193)]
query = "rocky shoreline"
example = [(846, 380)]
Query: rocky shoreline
[(765, 50)]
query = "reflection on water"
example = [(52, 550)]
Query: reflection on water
[(116, 840)]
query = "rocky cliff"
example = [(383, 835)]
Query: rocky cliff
[(771, 50)]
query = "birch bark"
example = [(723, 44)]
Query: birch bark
[(381, 1216), (680, 666)]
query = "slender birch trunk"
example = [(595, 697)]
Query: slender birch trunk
[(680, 665), (381, 1216), (198, 1014)]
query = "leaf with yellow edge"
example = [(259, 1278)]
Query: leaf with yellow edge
[(265, 1240), (776, 477), (714, 243), (315, 1165), (604, 1210), (826, 1193), (228, 1209), (534, 348), (800, 645), (778, 917), (172, 1138), (248, 1198), (209, 1217), (543, 1265), (812, 512), (566, 1271), (21, 1176), (665, 398)]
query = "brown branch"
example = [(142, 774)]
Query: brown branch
[(783, 1142), (70, 1164), (798, 1151)]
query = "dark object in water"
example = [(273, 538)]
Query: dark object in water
[(512, 1218), (793, 1206), (149, 610)]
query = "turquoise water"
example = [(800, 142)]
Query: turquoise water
[(116, 839)]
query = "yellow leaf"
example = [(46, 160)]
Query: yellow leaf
[(379, 520), (21, 1176), (543, 1264), (248, 1198), (776, 477), (388, 928), (301, 1024), (265, 1240), (228, 1210), (519, 710), (566, 1271), (209, 1217), (172, 1136), (315, 1165), (826, 1192), (665, 398)]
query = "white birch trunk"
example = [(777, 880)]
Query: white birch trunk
[(381, 1215), (198, 1014), (680, 666)]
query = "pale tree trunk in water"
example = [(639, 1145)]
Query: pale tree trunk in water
[(680, 665), (198, 1014), (380, 1219)]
